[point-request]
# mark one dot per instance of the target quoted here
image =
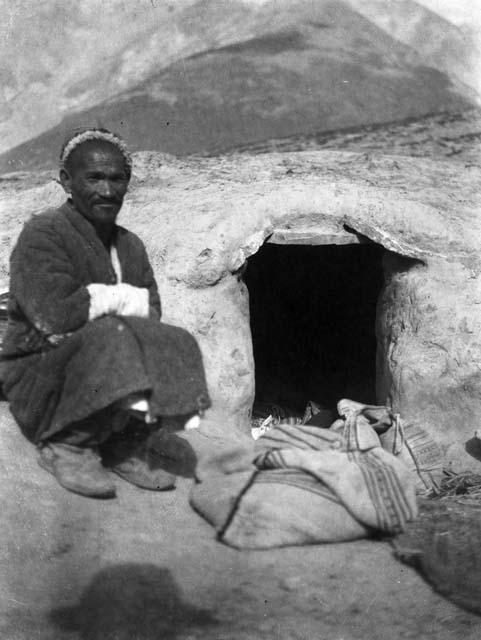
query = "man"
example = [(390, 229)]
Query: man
[(85, 346)]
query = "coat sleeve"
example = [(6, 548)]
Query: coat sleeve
[(43, 282), (151, 284), (146, 274)]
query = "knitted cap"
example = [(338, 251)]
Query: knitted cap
[(86, 135)]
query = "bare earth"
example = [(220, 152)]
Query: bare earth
[(146, 567)]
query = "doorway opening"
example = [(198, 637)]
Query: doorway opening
[(313, 317)]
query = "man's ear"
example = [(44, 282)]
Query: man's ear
[(65, 180)]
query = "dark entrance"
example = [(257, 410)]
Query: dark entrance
[(313, 312)]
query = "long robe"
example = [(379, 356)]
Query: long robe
[(59, 367)]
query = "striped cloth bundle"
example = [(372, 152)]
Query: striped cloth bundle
[(301, 484)]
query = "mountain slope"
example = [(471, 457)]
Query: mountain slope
[(55, 61), (441, 44), (319, 66), (456, 136)]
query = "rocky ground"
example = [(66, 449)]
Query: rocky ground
[(146, 567), (456, 136)]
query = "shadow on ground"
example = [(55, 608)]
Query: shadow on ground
[(173, 454), (129, 601)]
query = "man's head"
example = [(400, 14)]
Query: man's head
[(95, 169)]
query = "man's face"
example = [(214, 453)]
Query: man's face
[(97, 180)]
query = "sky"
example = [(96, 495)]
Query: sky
[(457, 11)]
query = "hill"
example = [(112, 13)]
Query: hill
[(303, 66)]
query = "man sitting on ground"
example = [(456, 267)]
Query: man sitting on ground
[(85, 346)]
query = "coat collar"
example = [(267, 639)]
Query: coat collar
[(90, 240), (83, 225)]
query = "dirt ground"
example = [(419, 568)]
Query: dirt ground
[(144, 566)]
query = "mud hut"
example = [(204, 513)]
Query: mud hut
[(313, 275)]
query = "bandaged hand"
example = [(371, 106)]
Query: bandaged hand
[(121, 299)]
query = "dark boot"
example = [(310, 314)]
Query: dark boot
[(130, 456)]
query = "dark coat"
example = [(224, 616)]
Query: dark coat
[(57, 366)]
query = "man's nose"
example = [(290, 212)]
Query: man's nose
[(106, 189)]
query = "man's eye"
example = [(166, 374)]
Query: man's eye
[(113, 179)]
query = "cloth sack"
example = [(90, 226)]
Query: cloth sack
[(301, 484)]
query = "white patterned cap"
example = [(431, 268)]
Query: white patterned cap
[(86, 135)]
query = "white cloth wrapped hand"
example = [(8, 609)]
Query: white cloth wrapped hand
[(121, 299)]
